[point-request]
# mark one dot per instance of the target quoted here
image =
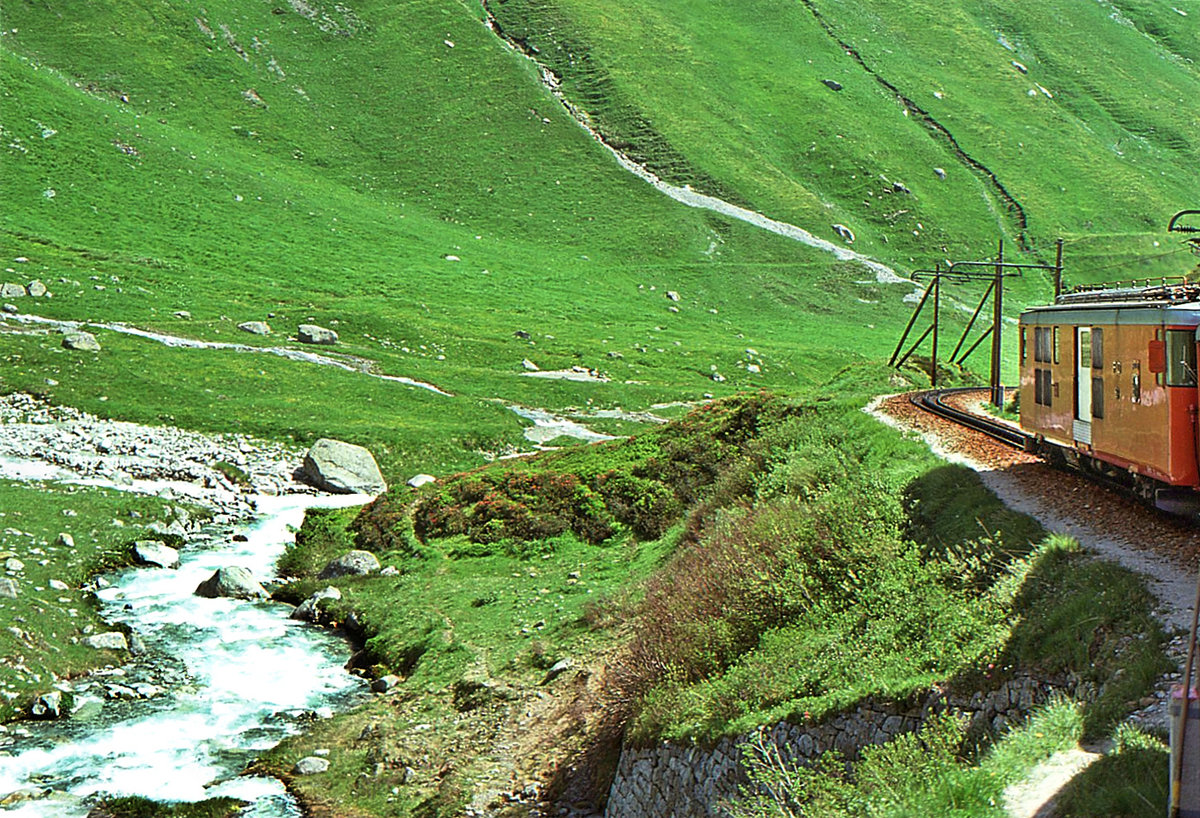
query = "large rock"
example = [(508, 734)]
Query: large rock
[(308, 610), (312, 334), (310, 765), (255, 327), (342, 468), (12, 291), (233, 582), (114, 640), (48, 706), (36, 289), (82, 341), (152, 552), (350, 564), (9, 588)]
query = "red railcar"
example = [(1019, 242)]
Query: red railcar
[(1108, 382)]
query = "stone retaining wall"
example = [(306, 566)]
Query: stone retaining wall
[(687, 781)]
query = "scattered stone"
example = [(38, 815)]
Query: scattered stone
[(11, 309), (81, 341), (844, 233), (1020, 67), (310, 765), (529, 365), (14, 565), (36, 289), (183, 314), (58, 585), (672, 295), (154, 553), (47, 706), (939, 173), (559, 668), (421, 479), (390, 571), (718, 377), (754, 368), (342, 468), (12, 291), (900, 187), (832, 85), (385, 683), (113, 640), (232, 582), (255, 327), (312, 334), (8, 588), (350, 564), (522, 334)]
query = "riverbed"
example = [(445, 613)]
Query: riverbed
[(216, 681)]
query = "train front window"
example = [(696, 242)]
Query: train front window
[(1181, 357)]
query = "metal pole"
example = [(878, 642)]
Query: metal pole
[(908, 329), (974, 346), (1177, 759), (937, 304), (1058, 270), (997, 318), (913, 348), (971, 323)]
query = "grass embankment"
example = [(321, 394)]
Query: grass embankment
[(760, 559), (43, 627)]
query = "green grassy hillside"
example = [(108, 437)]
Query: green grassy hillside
[(399, 169), (405, 174)]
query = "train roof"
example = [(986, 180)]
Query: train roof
[(1176, 302)]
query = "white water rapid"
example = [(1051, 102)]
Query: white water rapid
[(236, 678)]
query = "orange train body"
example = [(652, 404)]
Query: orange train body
[(1108, 381)]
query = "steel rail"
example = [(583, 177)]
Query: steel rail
[(933, 401)]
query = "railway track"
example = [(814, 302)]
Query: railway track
[(934, 402)]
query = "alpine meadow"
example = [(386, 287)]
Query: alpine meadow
[(608, 286)]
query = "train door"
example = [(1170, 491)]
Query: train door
[(1083, 385)]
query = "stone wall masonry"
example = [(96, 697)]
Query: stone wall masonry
[(671, 780)]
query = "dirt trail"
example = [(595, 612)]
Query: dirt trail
[(686, 195), (1162, 549), (346, 362)]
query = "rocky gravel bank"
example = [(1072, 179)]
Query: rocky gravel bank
[(220, 471)]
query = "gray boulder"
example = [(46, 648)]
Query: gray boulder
[(233, 582), (36, 289), (308, 610), (342, 468), (48, 706), (82, 341), (114, 640), (385, 683), (310, 765), (255, 327), (421, 480), (152, 552), (350, 564), (8, 588), (312, 334), (12, 291)]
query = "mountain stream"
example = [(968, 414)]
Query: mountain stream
[(219, 680)]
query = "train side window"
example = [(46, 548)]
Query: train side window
[(1181, 357), (1056, 345), (1044, 389), (1097, 397), (1085, 348), (1041, 345), (1023, 350), (1097, 348)]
